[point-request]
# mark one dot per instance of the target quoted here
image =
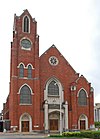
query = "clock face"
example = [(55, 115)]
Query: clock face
[(25, 43)]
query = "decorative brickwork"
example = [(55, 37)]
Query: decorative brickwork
[(50, 73)]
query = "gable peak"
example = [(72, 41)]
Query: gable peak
[(26, 11), (53, 45)]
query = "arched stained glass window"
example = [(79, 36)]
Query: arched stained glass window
[(21, 70), (29, 71), (25, 95), (82, 98), (53, 89), (26, 24)]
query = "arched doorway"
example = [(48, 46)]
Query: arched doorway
[(83, 122), (25, 123), (55, 111)]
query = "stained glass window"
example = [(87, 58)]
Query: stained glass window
[(29, 71), (21, 71), (53, 89), (25, 95), (82, 98)]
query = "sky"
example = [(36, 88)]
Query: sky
[(72, 25)]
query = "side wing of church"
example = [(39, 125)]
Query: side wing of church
[(46, 93)]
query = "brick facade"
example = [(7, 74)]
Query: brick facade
[(44, 69)]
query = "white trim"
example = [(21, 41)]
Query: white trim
[(47, 111), (30, 65), (22, 46), (23, 78), (30, 122), (24, 104), (55, 110), (20, 64), (25, 67), (80, 90), (54, 57), (14, 76), (59, 85), (61, 92), (26, 85), (28, 49), (86, 121)]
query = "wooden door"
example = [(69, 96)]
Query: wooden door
[(82, 125), (25, 126), (54, 124)]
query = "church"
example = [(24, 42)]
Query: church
[(46, 93)]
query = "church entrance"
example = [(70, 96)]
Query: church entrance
[(53, 124), (25, 123), (82, 125), (25, 126), (83, 122), (54, 121)]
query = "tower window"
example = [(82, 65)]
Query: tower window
[(25, 44), (82, 98), (25, 95), (26, 24), (21, 71), (29, 71), (53, 89)]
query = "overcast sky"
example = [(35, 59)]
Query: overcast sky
[(72, 25)]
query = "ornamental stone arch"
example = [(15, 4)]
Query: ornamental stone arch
[(29, 64), (83, 122), (82, 96), (21, 63), (26, 120), (27, 86), (84, 91), (55, 116), (57, 82), (51, 79)]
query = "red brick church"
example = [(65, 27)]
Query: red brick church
[(46, 93)]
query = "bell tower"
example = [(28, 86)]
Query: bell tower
[(24, 73)]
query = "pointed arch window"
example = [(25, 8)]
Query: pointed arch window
[(29, 71), (26, 24), (53, 89), (25, 95), (82, 98), (21, 70)]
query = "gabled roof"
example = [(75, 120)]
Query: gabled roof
[(54, 47), (81, 77), (24, 12)]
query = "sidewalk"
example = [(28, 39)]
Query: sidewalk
[(24, 134), (28, 135)]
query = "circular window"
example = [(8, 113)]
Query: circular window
[(53, 60), (25, 43)]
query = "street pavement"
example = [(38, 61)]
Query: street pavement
[(21, 135), (27, 136)]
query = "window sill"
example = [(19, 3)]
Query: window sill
[(25, 104), (82, 105), (53, 96)]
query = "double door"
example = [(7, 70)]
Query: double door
[(53, 124), (82, 125), (25, 126)]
